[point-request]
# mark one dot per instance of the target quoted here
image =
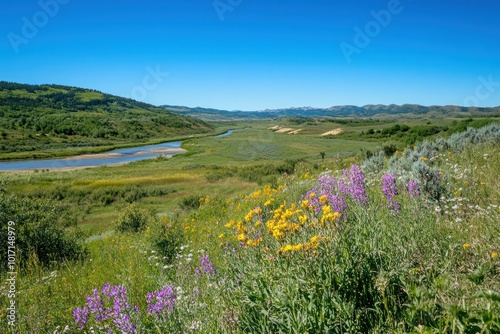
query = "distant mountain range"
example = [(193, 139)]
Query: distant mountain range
[(370, 110)]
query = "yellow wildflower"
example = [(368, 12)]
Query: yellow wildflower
[(322, 199), (466, 246), (494, 255)]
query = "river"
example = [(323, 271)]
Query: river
[(118, 156)]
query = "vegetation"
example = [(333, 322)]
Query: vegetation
[(51, 120), (399, 244), (39, 232)]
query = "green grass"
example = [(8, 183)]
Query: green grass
[(430, 268)]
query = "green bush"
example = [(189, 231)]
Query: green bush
[(38, 229), (166, 237), (190, 202), (134, 220)]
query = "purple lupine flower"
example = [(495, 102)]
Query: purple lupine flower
[(206, 265), (413, 188), (163, 300), (337, 203), (357, 184), (81, 316), (115, 297), (96, 306), (124, 324), (332, 188), (390, 191)]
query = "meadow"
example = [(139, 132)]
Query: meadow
[(267, 232)]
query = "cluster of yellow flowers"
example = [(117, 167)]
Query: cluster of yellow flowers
[(328, 215), (286, 224), (306, 176), (204, 200), (281, 223), (311, 244)]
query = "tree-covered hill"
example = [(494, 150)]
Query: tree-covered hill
[(50, 118)]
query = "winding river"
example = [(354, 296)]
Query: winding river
[(119, 156)]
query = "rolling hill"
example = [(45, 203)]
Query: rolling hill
[(54, 120), (372, 110)]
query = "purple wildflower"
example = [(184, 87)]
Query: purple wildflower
[(390, 191), (159, 301), (206, 265), (81, 316), (124, 324), (413, 188), (330, 187), (117, 310), (357, 185), (96, 306)]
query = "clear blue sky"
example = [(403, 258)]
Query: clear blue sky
[(253, 55)]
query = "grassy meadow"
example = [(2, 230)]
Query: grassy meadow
[(267, 232)]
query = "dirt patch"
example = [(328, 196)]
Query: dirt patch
[(333, 132)]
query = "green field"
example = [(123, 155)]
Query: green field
[(431, 267)]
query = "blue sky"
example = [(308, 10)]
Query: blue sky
[(253, 55)]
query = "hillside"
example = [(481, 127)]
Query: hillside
[(51, 118), (372, 110)]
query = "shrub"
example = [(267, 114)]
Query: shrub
[(190, 202), (166, 237), (38, 230), (134, 219)]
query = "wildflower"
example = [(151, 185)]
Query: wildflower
[(357, 185), (109, 303), (323, 199), (390, 191), (81, 316), (206, 265), (424, 159), (161, 301), (466, 246), (413, 188), (494, 255)]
